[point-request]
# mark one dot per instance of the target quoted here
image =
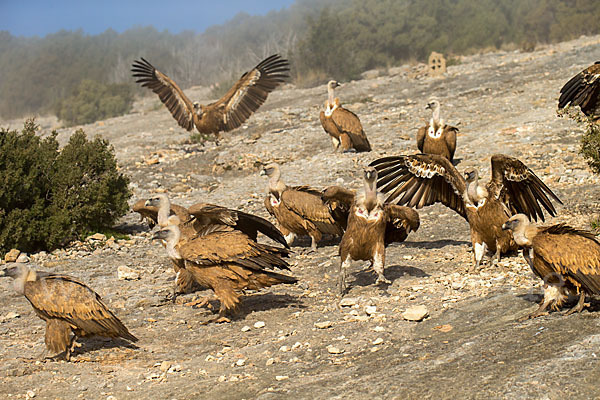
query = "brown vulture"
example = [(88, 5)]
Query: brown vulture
[(150, 213), (565, 258), (342, 125), (371, 226), (424, 179), (436, 137), (299, 210), (68, 306), (583, 90), (227, 261), (200, 217), (225, 114)]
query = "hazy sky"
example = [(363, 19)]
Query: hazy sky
[(40, 17)]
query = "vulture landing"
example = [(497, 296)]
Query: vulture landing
[(583, 90), (299, 210), (424, 179), (225, 114), (371, 225), (67, 306), (228, 262), (436, 137), (565, 258), (342, 125)]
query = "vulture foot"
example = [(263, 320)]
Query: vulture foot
[(382, 279), (217, 320), (541, 310), (201, 302), (579, 306)]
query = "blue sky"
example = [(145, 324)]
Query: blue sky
[(41, 17)]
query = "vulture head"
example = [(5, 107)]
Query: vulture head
[(523, 231), (167, 233), (270, 170), (432, 104), (15, 270), (516, 222), (370, 176), (332, 85), (157, 200), (198, 109), (471, 175)]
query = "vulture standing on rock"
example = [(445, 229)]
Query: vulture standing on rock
[(424, 179), (583, 90), (299, 210), (202, 216), (436, 137), (372, 225), (567, 259), (227, 261), (225, 114), (342, 125), (67, 306)]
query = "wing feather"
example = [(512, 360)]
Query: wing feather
[(583, 90)]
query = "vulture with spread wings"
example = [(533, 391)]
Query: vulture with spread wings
[(225, 114), (583, 90), (565, 258), (371, 225), (67, 306), (424, 179)]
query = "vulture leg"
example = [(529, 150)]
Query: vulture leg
[(580, 304), (201, 302), (315, 237), (289, 238), (336, 143), (541, 310), (342, 275), (378, 262), (496, 258), (346, 144), (479, 252)]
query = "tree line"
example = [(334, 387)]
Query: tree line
[(323, 39)]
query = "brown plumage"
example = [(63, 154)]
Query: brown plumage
[(424, 179), (436, 137), (225, 114), (342, 125), (299, 210), (150, 213), (565, 258), (228, 262), (583, 90), (66, 305), (371, 226)]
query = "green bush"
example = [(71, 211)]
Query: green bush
[(92, 101), (50, 197), (590, 140)]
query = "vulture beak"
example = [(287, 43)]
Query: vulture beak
[(428, 106), (263, 172), (337, 84), (147, 203), (160, 235), (508, 226)]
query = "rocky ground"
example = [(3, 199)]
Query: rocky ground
[(299, 341)]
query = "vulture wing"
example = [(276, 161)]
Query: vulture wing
[(339, 201), (420, 180), (421, 137), (168, 92), (519, 188), (347, 122), (573, 253), (307, 203), (401, 221), (251, 90), (62, 297), (247, 223), (450, 135), (583, 90), (150, 213)]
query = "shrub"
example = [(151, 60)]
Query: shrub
[(50, 197), (590, 141), (92, 101)]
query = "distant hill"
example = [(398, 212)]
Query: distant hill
[(322, 38)]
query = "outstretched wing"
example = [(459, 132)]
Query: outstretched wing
[(251, 90), (62, 297), (420, 180), (583, 90), (168, 92), (519, 188)]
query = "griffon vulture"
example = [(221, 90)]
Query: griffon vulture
[(67, 305), (342, 125), (299, 210), (227, 261), (565, 258), (583, 90), (150, 213), (436, 137), (225, 114), (423, 179), (372, 225)]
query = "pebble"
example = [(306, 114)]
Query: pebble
[(284, 348), (270, 361), (12, 255), (125, 273), (30, 394), (323, 324), (379, 329), (96, 237), (334, 350), (23, 258), (259, 324), (164, 366), (240, 362), (370, 310), (415, 313), (377, 341), (245, 328), (348, 301), (281, 377)]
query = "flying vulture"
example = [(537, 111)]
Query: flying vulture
[(565, 258), (225, 114), (299, 210), (67, 305), (372, 225), (436, 137), (583, 90), (423, 179), (342, 125), (228, 262)]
